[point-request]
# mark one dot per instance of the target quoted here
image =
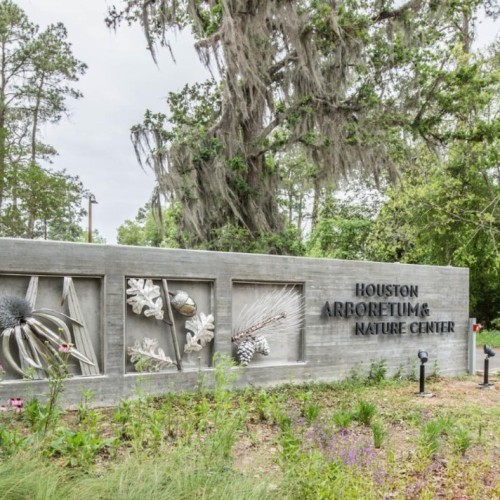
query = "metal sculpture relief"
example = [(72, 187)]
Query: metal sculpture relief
[(146, 298), (182, 303), (274, 313), (37, 343), (147, 356), (144, 295), (202, 332), (80, 330)]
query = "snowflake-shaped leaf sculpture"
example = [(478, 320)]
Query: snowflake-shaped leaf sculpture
[(147, 356), (145, 294), (202, 327)]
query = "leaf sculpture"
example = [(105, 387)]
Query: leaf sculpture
[(202, 327), (144, 294), (148, 356)]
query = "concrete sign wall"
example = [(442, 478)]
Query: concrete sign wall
[(354, 312)]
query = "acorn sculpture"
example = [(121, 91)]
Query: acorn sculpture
[(182, 303)]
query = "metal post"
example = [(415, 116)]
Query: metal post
[(486, 382), (422, 379), (486, 369)]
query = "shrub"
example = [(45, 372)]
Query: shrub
[(377, 371)]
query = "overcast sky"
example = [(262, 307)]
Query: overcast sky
[(120, 84)]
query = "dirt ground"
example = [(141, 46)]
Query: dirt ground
[(257, 452)]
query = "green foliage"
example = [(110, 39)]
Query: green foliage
[(46, 205), (144, 230), (214, 444), (362, 87), (345, 222), (377, 371), (432, 433), (178, 475), (446, 211), (445, 217), (365, 411), (11, 441), (413, 369), (343, 418), (495, 323), (268, 406), (37, 69), (311, 411), (461, 440), (230, 238), (379, 434), (490, 337), (77, 448)]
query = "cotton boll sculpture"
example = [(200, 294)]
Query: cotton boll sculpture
[(37, 343)]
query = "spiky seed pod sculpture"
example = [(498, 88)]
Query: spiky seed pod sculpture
[(13, 310), (36, 342)]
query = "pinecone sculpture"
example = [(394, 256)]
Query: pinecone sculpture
[(261, 345), (250, 346), (245, 352)]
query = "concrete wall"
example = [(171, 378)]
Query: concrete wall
[(322, 348)]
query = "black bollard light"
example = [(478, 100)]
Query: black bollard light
[(424, 357), (489, 354)]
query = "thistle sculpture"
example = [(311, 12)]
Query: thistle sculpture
[(37, 343)]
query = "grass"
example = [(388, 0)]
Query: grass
[(366, 437), (490, 337)]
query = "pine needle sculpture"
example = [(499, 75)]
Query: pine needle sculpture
[(37, 343), (274, 313)]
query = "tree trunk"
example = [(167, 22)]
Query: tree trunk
[(316, 201), (3, 131), (36, 113)]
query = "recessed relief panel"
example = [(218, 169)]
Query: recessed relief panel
[(50, 319), (170, 324), (267, 326)]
